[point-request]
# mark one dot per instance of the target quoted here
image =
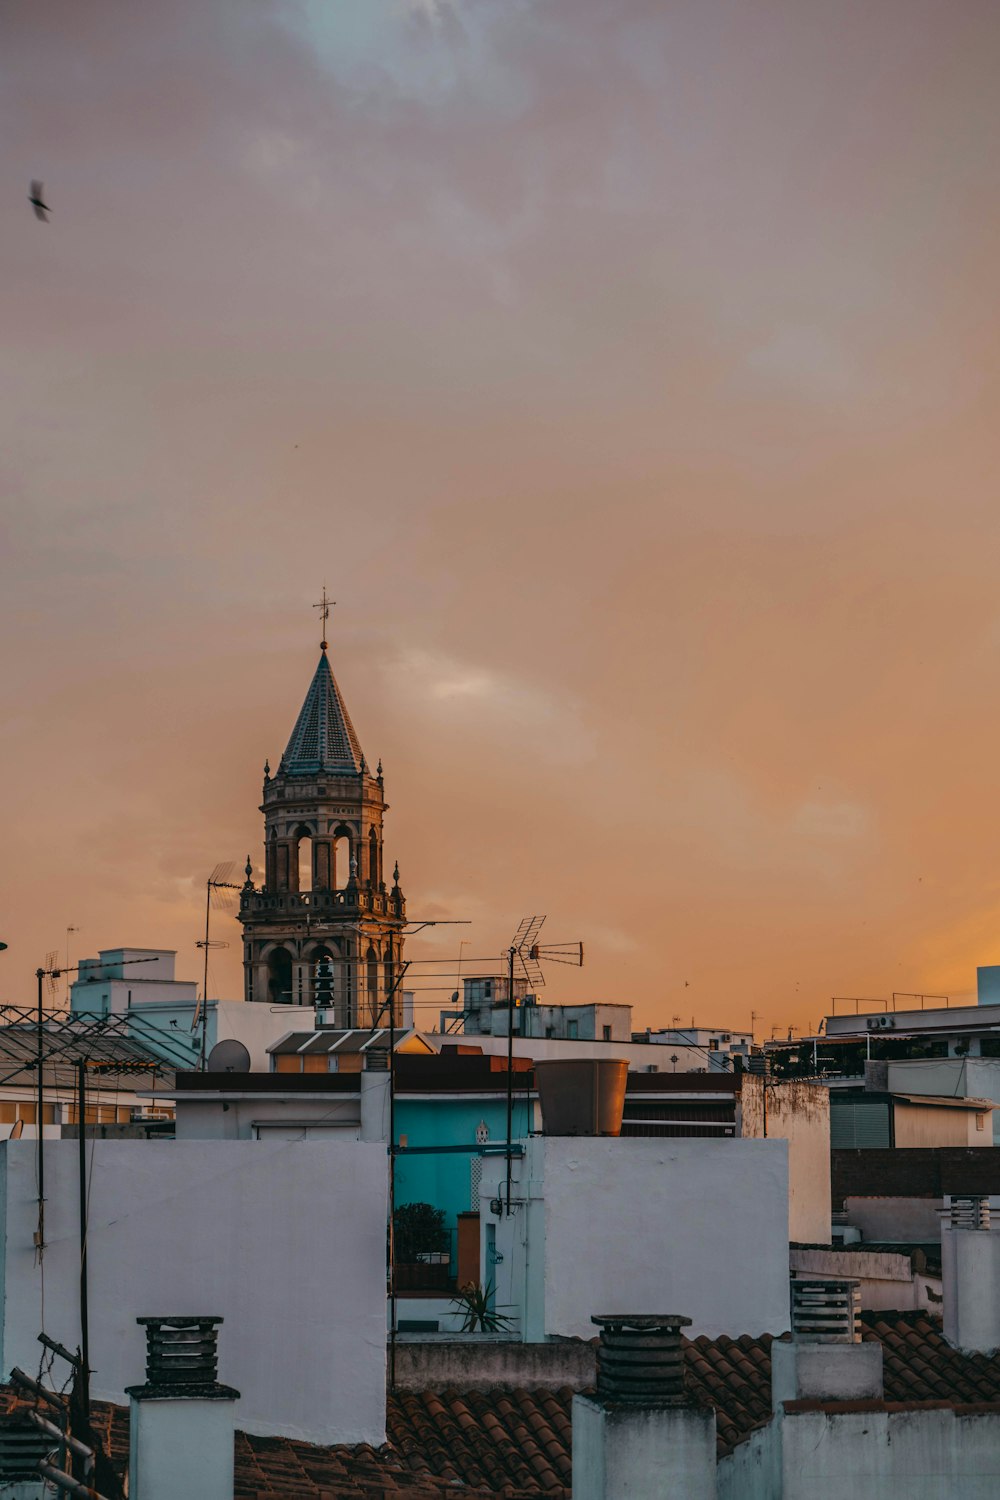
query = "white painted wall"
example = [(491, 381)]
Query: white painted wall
[(887, 1278), (880, 1455), (242, 1115), (262, 1117), (798, 1113), (256, 1026), (922, 1454), (285, 1241), (697, 1227)]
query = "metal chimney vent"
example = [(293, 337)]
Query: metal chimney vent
[(640, 1361), (22, 1448), (969, 1213), (181, 1351), (826, 1311)]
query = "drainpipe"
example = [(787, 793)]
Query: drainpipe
[(182, 1421), (640, 1437)]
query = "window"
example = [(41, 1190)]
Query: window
[(304, 858), (572, 1030), (607, 1033), (980, 1122)]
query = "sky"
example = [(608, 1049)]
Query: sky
[(627, 371)]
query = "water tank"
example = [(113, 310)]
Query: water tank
[(581, 1096)]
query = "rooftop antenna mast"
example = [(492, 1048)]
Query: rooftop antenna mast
[(524, 959), (220, 880), (69, 932)]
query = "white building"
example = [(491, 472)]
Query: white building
[(620, 1223), (285, 1241)]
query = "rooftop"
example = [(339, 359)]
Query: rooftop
[(517, 1443)]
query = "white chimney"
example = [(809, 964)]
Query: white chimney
[(826, 1360), (970, 1274), (181, 1439), (639, 1437)]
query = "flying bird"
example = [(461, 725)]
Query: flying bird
[(38, 203)]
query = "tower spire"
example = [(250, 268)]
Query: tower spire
[(324, 606)]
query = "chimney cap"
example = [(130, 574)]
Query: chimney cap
[(641, 1320)]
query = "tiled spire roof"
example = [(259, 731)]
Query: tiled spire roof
[(323, 738)]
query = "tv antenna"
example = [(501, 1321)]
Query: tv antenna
[(52, 976), (524, 957), (218, 893)]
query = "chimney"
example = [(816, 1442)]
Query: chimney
[(970, 1273), (182, 1420), (639, 1435), (22, 1448), (826, 1360)]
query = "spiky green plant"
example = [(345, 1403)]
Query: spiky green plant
[(473, 1302)]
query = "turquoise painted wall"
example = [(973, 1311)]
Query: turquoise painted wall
[(446, 1180)]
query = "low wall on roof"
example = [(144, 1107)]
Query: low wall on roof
[(473, 1363)]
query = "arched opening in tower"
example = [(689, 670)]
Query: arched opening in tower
[(324, 980), (304, 857), (341, 859), (374, 873), (279, 977)]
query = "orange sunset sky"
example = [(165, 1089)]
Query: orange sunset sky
[(627, 370)]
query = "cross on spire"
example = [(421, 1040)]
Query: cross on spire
[(324, 608)]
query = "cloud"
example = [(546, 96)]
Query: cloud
[(506, 708)]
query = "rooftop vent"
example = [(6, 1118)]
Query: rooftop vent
[(181, 1352), (22, 1448), (966, 1212), (640, 1361), (826, 1311)]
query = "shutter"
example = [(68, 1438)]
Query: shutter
[(858, 1123)]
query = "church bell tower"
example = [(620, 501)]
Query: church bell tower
[(324, 929)]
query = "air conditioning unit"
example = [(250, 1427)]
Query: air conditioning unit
[(881, 1023)]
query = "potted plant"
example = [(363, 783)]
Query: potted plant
[(475, 1304), (422, 1247)]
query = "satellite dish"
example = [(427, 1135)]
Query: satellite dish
[(229, 1056), (17, 1132)]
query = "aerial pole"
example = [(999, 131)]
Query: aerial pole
[(81, 1110), (219, 880), (526, 952), (40, 1106)]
